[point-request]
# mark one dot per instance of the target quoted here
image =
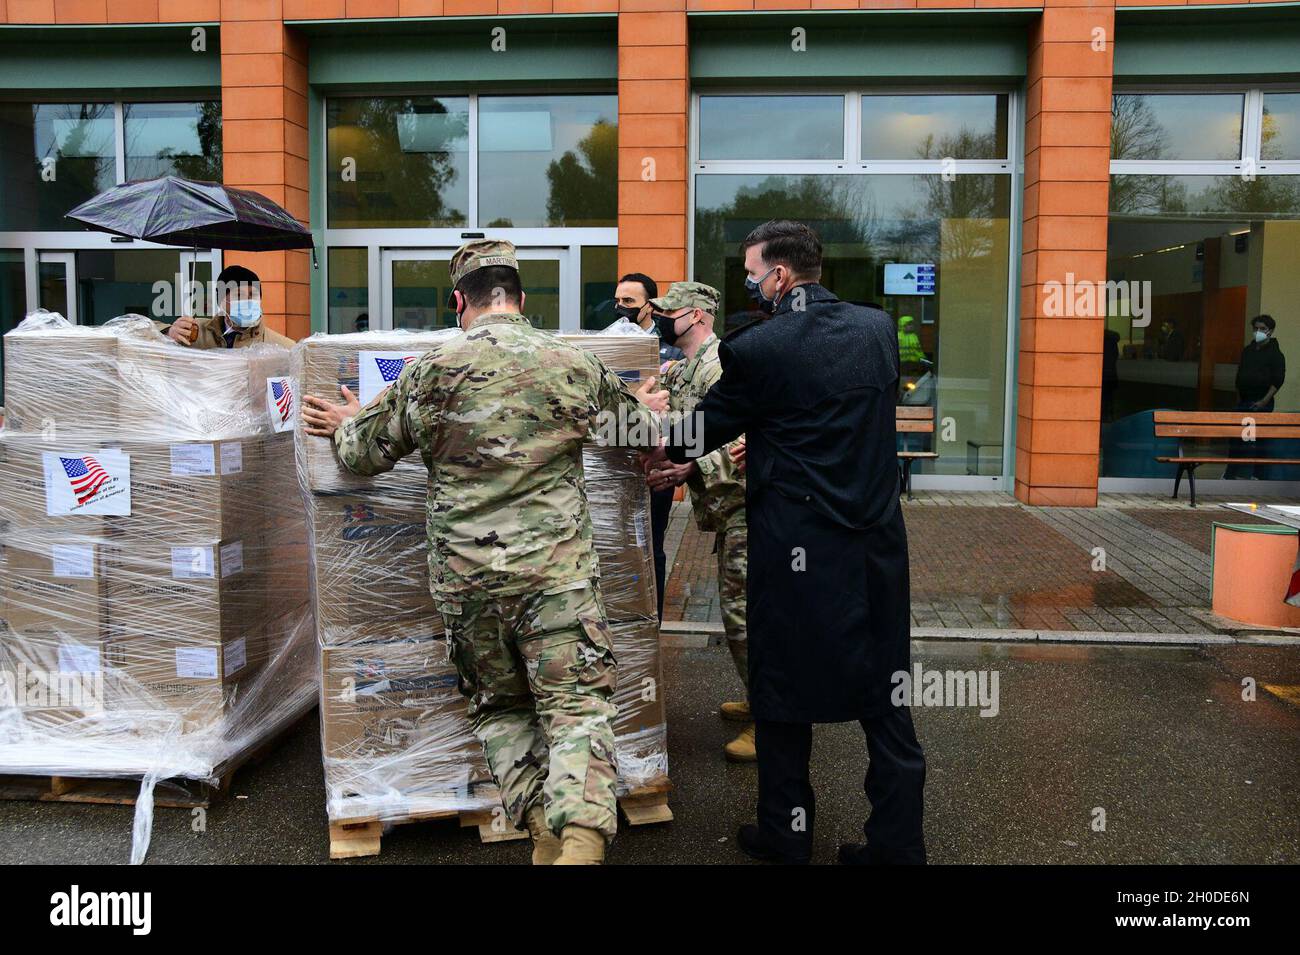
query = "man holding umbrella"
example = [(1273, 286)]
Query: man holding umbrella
[(236, 321)]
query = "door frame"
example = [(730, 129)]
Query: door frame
[(570, 293)]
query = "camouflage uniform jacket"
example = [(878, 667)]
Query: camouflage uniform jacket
[(717, 487), (499, 415)]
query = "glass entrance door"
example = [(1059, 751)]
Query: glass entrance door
[(416, 288), (57, 283)]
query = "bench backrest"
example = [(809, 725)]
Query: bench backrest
[(915, 419), (1226, 424)]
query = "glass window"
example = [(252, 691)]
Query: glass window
[(548, 161), (348, 305), (1197, 126), (56, 156), (959, 126), (771, 127), (13, 298), (951, 331), (1281, 131), (599, 279), (397, 162), (1192, 260), (172, 139), (420, 291), (111, 283)]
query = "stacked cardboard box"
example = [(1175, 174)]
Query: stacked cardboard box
[(155, 554), (396, 736)]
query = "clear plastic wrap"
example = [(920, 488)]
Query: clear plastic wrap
[(154, 586), (396, 737)]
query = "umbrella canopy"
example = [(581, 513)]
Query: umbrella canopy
[(206, 215)]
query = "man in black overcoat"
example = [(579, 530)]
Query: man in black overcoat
[(813, 387)]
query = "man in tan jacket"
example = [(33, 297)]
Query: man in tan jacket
[(236, 321)]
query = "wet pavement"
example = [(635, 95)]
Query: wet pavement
[(1134, 564), (1158, 738)]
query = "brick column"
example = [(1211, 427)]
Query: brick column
[(264, 142), (653, 99), (1067, 162)]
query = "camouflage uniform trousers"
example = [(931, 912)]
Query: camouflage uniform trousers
[(733, 569), (539, 673)]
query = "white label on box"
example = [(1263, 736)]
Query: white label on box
[(77, 483), (190, 460), (196, 663), (74, 560), (232, 558), (190, 563), (378, 370), (280, 403), (236, 657), (78, 658), (232, 458)]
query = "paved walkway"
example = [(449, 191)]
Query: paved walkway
[(1136, 564)]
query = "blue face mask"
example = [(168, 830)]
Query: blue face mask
[(244, 312), (755, 290)]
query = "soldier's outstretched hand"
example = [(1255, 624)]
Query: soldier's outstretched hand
[(656, 401), (737, 452), (324, 417)]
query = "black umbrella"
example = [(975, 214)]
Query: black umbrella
[(202, 215)]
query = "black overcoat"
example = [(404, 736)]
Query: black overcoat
[(813, 388)]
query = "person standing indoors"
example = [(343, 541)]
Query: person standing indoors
[(1261, 371), (499, 415), (685, 316), (812, 387), (632, 301)]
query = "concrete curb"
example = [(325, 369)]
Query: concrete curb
[(692, 635)]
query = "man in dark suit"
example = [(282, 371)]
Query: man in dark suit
[(813, 388)]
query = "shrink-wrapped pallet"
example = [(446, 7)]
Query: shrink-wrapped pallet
[(154, 586), (396, 737)]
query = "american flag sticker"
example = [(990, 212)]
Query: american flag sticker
[(87, 483), (378, 370), (280, 403)]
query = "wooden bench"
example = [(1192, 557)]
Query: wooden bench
[(1188, 426), (913, 419)]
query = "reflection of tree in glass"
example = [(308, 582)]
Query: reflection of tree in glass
[(584, 191), (207, 164), (1135, 133), (1265, 197), (963, 208), (398, 188)]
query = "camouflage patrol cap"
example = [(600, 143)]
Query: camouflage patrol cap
[(481, 254), (688, 295)]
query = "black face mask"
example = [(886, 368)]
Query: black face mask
[(627, 311), (667, 328)]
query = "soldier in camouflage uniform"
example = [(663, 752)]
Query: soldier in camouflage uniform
[(685, 318), (499, 415)]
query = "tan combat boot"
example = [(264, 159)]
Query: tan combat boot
[(581, 846), (735, 712), (741, 749), (546, 848)]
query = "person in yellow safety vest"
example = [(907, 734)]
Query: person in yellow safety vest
[(909, 343)]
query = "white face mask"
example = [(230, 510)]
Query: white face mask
[(1261, 336)]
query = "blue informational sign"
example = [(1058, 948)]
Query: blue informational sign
[(916, 278)]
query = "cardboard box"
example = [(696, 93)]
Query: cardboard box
[(371, 568), (395, 729), (53, 586), (40, 363)]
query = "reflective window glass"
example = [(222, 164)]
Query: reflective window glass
[(397, 162), (771, 127), (548, 161), (933, 254), (1176, 126), (348, 296), (1281, 133), (172, 139), (55, 156), (957, 126)]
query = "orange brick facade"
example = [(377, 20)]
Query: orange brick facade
[(1070, 56)]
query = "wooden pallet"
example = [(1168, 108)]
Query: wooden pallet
[(125, 790), (358, 838)]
